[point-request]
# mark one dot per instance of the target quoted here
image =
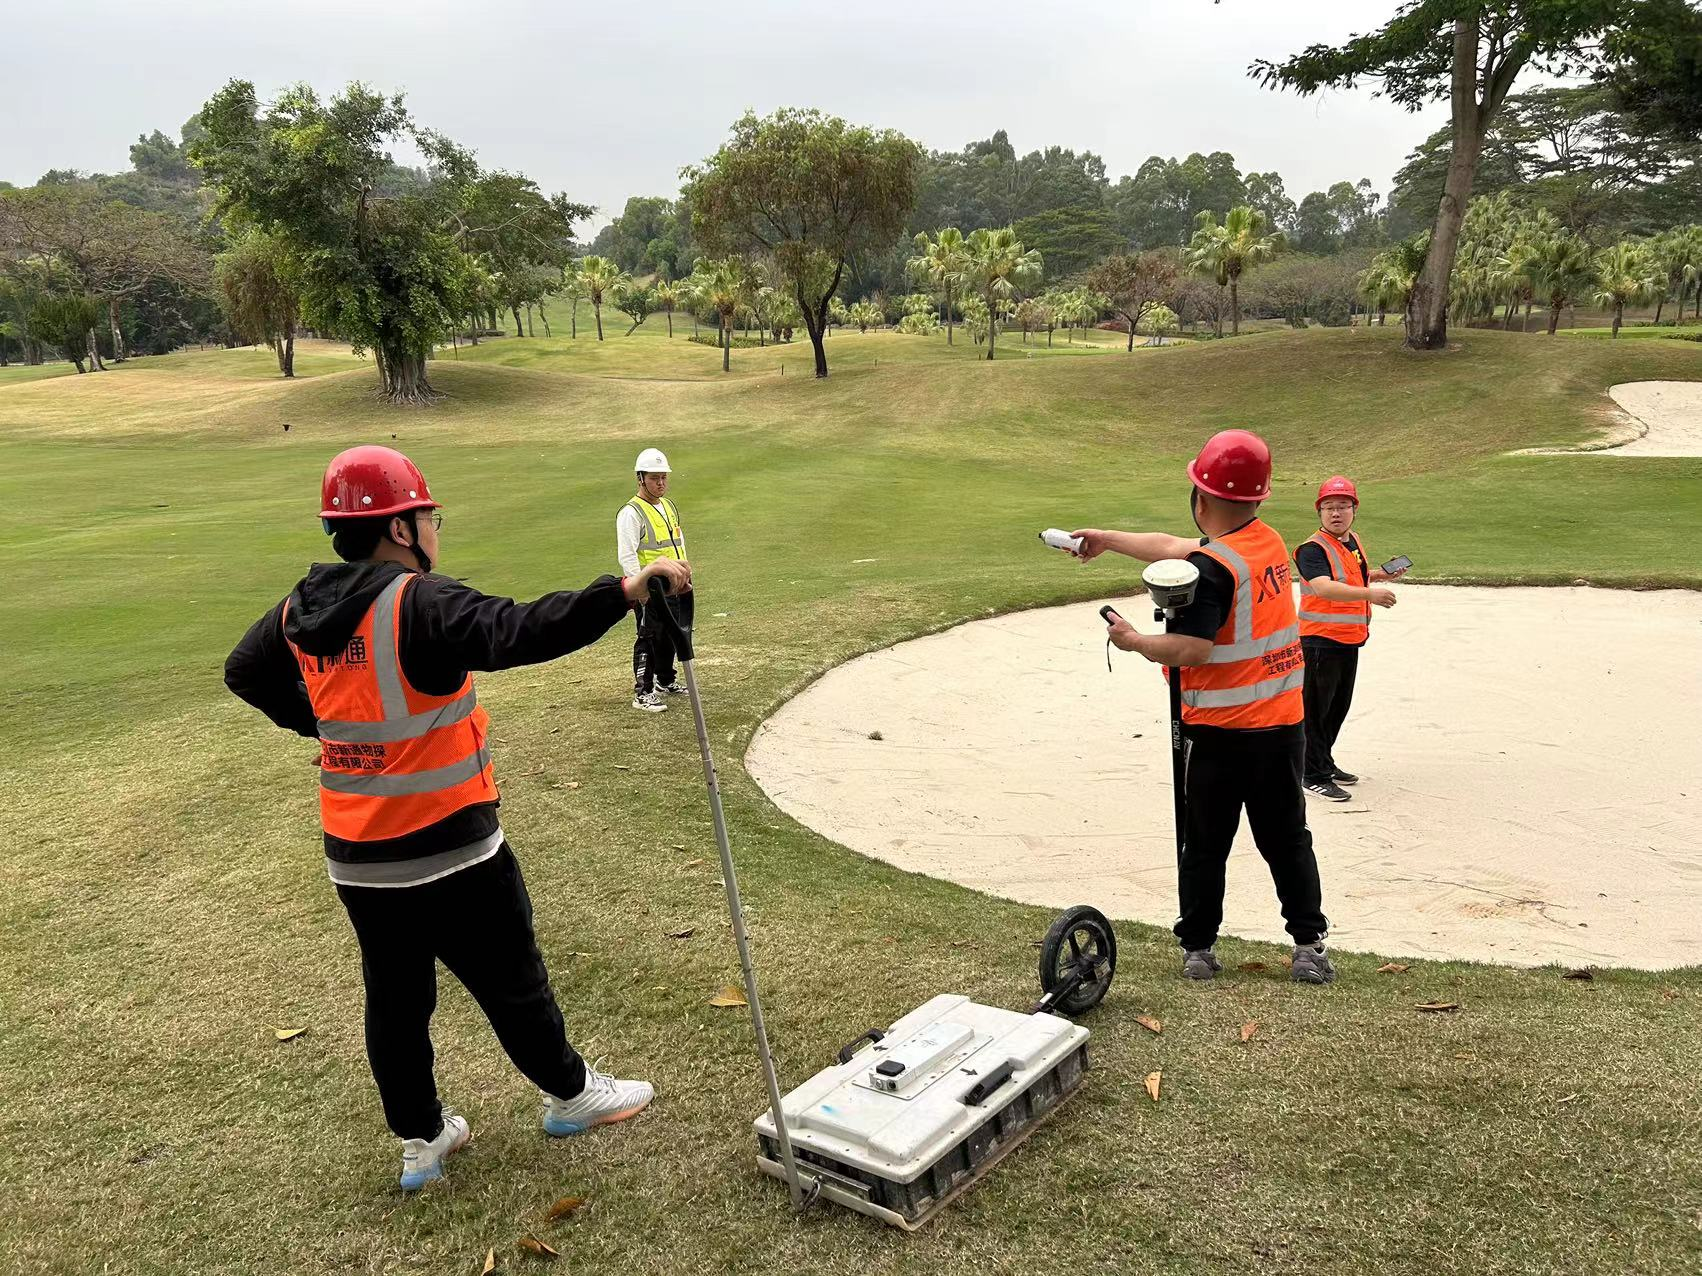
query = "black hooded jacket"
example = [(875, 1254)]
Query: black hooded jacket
[(447, 630)]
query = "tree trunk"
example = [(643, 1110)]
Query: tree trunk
[(726, 343), (518, 330), (948, 313), (1235, 305), (1507, 319), (117, 333), (1658, 306), (530, 331), (1525, 324), (95, 364), (402, 374), (670, 323), (1554, 304), (573, 321), (992, 330), (545, 316), (473, 329), (1131, 333), (1048, 338), (1618, 317), (598, 307)]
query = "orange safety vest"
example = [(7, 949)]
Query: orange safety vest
[(392, 759), (1256, 671), (1344, 622)]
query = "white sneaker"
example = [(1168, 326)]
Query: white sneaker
[(603, 1101), (649, 702), (673, 688), (422, 1159)]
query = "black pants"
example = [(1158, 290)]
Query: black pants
[(1260, 770), (1331, 668), (653, 652), (478, 922)]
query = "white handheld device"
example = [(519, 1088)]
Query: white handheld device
[(1061, 540)]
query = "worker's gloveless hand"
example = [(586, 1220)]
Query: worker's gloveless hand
[(1382, 598), (1092, 543), (1122, 634), (676, 575)]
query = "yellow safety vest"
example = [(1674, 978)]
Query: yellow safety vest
[(661, 536)]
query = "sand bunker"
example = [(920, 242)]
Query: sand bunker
[(1532, 763), (1669, 414)]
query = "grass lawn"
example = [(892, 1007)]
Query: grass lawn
[(1691, 331), (165, 904)]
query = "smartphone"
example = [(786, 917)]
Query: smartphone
[(1397, 564)]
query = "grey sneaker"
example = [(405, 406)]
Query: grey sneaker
[(1311, 966), (672, 688), (1200, 963)]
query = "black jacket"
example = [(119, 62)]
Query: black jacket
[(447, 630)]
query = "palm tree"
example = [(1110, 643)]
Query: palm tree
[(573, 288), (1626, 274), (670, 293), (1389, 280), (997, 269), (1243, 241), (866, 315), (723, 287), (600, 275), (1561, 269), (942, 262), (1678, 254)]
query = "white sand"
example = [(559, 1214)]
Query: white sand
[(1670, 413), (1532, 763)]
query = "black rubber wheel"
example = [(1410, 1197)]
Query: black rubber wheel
[(1081, 940)]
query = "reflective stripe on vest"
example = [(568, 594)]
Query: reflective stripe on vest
[(393, 759), (1255, 673), (660, 536), (1340, 621)]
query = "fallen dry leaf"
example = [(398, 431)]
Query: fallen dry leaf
[(1437, 1005), (959, 943), (1669, 994), (1152, 1080), (490, 1263), (1149, 1023), (1252, 967), (728, 996), (536, 1246), (1583, 972), (1466, 1058), (678, 846), (564, 1207), (692, 863), (1248, 1029), (1288, 961), (685, 933), (1393, 968), (1568, 1098), (621, 766), (286, 1034)]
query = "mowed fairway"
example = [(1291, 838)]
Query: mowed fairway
[(164, 903)]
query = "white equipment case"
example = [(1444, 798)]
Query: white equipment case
[(900, 1128)]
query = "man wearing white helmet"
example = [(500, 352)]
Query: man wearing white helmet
[(647, 529)]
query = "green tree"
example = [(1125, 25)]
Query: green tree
[(67, 320), (600, 277), (669, 294), (374, 253), (1225, 251), (1469, 52), (258, 300), (574, 290), (722, 283), (1678, 254), (866, 315), (1159, 320), (999, 267), (1070, 240), (636, 303), (1132, 285), (1626, 275), (1562, 269), (1655, 68), (807, 191), (941, 260)]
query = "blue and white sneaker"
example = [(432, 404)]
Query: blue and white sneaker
[(422, 1159), (603, 1101)]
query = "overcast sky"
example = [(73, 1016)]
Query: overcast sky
[(609, 99)]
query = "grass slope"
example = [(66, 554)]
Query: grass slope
[(164, 902)]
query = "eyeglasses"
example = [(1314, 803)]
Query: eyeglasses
[(436, 517)]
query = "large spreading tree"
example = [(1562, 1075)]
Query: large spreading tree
[(372, 249), (1135, 283), (807, 191), (1469, 53)]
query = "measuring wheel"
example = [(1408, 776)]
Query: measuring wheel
[(1077, 959)]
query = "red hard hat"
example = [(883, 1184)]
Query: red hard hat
[(1234, 465), (370, 480), (1337, 485)]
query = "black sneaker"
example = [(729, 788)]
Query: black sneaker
[(1344, 777), (1329, 790)]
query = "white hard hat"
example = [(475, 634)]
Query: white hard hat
[(651, 461)]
